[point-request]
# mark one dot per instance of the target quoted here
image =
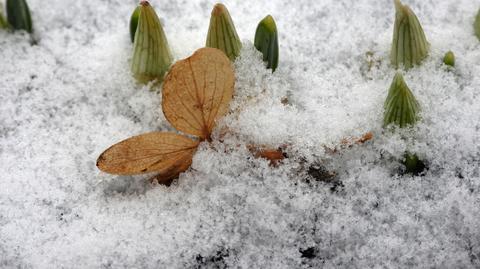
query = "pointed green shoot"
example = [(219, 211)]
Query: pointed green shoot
[(151, 56), (476, 25), (401, 107), (134, 23), (409, 45), (449, 59), (222, 34), (266, 41), (413, 165), (18, 15)]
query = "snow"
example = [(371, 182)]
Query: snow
[(70, 96)]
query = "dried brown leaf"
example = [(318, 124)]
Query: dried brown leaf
[(166, 153), (167, 175), (197, 91)]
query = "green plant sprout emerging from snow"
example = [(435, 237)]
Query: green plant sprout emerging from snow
[(476, 25), (266, 41), (409, 45), (449, 59), (402, 109), (151, 56), (18, 15), (222, 34)]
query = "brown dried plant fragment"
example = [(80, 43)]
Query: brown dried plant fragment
[(168, 154), (197, 91), (350, 142), (273, 155)]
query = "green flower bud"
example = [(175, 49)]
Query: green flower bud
[(222, 34), (151, 56), (266, 41), (476, 25), (409, 46), (18, 15), (449, 59), (401, 107), (134, 23)]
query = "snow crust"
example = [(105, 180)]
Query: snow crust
[(70, 96)]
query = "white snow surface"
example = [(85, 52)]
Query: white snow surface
[(71, 95)]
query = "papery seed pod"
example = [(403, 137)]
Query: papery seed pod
[(401, 107), (266, 41), (409, 46), (222, 34), (18, 15), (449, 59), (151, 56), (134, 23), (476, 25)]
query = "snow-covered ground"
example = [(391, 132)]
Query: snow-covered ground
[(66, 99)]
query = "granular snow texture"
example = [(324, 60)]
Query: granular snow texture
[(68, 97)]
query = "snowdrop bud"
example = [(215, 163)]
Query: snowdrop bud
[(401, 107), (449, 59), (222, 34), (409, 46), (476, 25), (18, 15), (266, 41), (134, 23), (151, 56)]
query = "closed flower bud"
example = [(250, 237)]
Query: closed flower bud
[(151, 56), (401, 107), (18, 15), (134, 23), (409, 46), (266, 41), (449, 59), (222, 34)]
